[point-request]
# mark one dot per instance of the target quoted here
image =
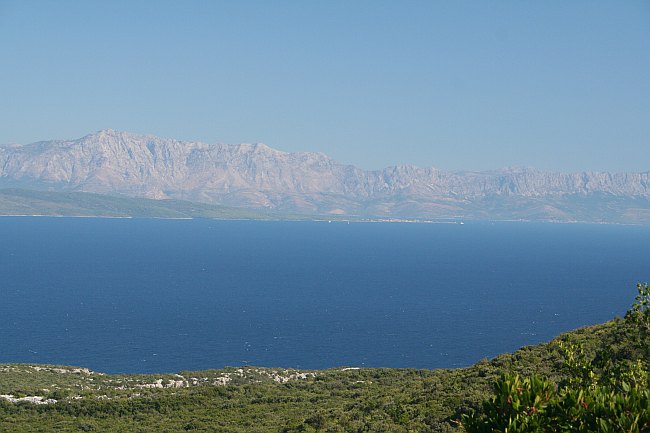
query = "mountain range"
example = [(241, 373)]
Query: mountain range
[(255, 176)]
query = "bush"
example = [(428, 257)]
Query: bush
[(607, 393)]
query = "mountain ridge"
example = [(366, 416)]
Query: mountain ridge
[(255, 175)]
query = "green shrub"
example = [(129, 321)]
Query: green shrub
[(607, 393)]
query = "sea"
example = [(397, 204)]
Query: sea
[(154, 295)]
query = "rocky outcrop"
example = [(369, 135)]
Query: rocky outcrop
[(29, 399), (255, 175)]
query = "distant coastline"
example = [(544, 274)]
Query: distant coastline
[(113, 172), (347, 220)]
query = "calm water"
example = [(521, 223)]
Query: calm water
[(163, 296)]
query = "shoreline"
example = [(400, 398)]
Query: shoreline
[(347, 221)]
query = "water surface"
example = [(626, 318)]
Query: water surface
[(146, 295)]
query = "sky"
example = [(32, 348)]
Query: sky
[(458, 85)]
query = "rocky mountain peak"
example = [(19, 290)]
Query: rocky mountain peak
[(117, 162)]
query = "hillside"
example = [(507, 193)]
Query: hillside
[(20, 202), (256, 176), (251, 399)]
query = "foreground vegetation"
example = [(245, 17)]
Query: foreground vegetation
[(608, 392), (592, 379)]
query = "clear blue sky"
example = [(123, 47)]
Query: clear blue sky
[(457, 85)]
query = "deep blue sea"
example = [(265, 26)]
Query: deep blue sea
[(147, 295)]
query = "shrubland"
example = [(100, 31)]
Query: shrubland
[(591, 379)]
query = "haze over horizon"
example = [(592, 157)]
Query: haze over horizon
[(457, 86)]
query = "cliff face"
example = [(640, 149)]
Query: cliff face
[(256, 175)]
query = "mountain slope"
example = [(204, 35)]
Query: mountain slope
[(255, 175)]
